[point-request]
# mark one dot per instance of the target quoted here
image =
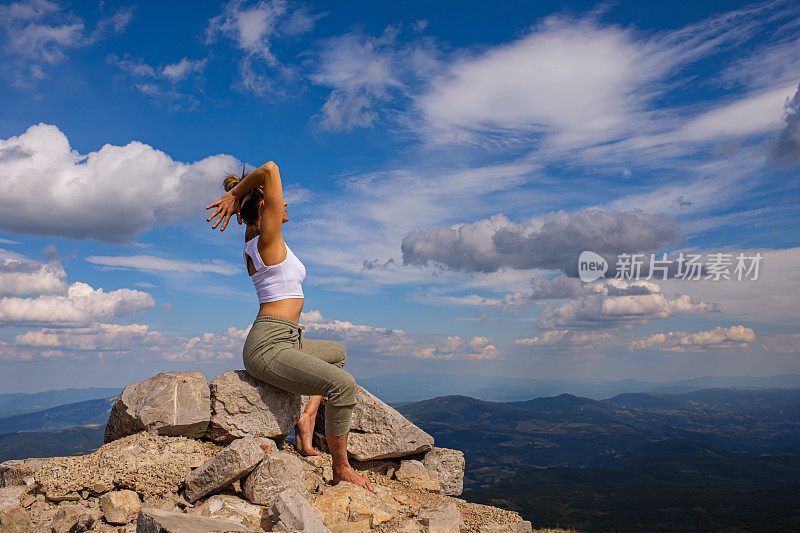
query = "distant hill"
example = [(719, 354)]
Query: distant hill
[(64, 416), (18, 403), (73, 441), (394, 388), (500, 438)]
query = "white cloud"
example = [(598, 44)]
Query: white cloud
[(382, 342), (153, 263), (679, 341), (27, 277), (39, 33), (81, 305), (614, 303), (160, 83), (576, 82), (366, 73), (785, 343), (566, 338), (96, 337), (111, 194), (206, 347), (553, 242), (253, 28)]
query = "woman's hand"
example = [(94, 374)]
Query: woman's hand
[(226, 206)]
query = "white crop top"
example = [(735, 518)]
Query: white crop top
[(275, 282)]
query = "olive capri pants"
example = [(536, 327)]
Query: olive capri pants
[(276, 353)]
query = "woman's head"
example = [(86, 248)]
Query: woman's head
[(250, 203)]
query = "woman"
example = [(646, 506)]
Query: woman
[(274, 351)]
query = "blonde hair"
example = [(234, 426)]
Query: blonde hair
[(249, 203)]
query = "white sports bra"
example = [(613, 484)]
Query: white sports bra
[(275, 282)]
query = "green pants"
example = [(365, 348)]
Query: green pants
[(276, 353)]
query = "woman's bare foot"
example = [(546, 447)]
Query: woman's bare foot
[(348, 474), (303, 433)]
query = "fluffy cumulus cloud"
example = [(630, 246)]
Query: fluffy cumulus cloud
[(22, 277), (551, 243), (382, 342), (680, 341), (38, 33), (565, 338), (47, 188), (206, 347), (81, 305), (615, 303), (253, 28)]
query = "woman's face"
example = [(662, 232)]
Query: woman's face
[(285, 212)]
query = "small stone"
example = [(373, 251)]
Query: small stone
[(414, 474), (120, 506), (292, 512), (169, 403), (234, 509), (159, 521), (16, 519), (234, 461), (74, 518), (276, 472), (243, 406)]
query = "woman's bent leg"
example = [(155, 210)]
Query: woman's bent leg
[(302, 373)]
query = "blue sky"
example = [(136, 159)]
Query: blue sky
[(444, 163)]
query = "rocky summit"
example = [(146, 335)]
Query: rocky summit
[(186, 456)]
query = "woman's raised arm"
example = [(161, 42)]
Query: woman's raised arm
[(266, 176)]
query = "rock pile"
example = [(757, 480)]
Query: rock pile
[(186, 456)]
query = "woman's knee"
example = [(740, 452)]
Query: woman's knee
[(344, 391), (342, 352)]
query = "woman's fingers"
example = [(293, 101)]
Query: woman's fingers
[(215, 204), (215, 213), (225, 224)]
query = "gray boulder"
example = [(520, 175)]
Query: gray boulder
[(292, 512), (170, 403), (242, 406), (448, 464), (377, 431), (152, 520), (233, 462), (275, 473)]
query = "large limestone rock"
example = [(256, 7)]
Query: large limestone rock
[(233, 462), (414, 474), (377, 431), (292, 512), (350, 506), (242, 406), (158, 521), (442, 518), (235, 509), (448, 464), (120, 506), (146, 463), (275, 473), (170, 403)]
